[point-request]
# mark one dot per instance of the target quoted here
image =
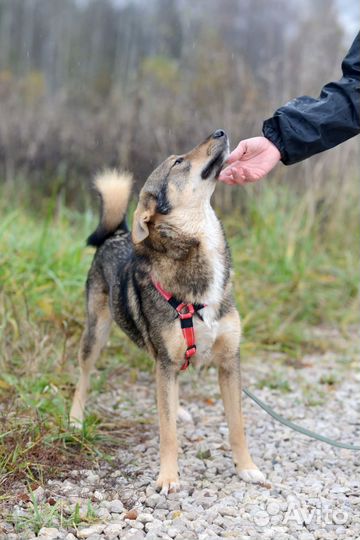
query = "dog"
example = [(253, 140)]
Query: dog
[(167, 284)]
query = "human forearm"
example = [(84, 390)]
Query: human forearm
[(306, 126)]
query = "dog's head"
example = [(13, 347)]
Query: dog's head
[(180, 184)]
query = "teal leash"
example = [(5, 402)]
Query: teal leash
[(295, 427)]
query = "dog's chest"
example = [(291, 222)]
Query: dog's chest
[(206, 329), (213, 249)]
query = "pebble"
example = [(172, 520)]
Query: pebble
[(113, 530), (145, 517), (103, 514), (306, 536), (116, 507), (131, 514), (137, 525), (88, 531), (133, 534), (228, 511), (156, 500), (172, 532), (92, 477), (49, 533), (38, 493), (155, 524), (99, 495)]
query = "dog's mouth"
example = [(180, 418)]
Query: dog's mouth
[(213, 168)]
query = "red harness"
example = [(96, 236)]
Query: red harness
[(185, 312)]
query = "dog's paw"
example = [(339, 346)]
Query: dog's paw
[(76, 423), (184, 415), (252, 476), (76, 415), (167, 484)]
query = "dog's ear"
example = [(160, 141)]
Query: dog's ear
[(145, 210)]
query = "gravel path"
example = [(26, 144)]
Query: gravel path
[(313, 490)]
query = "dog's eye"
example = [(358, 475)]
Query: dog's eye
[(179, 160)]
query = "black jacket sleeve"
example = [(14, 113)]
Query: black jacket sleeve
[(306, 126)]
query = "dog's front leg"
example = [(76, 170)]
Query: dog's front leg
[(226, 355), (166, 387), (230, 386)]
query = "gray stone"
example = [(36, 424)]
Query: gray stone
[(145, 517), (113, 530), (88, 531), (306, 536), (135, 524), (99, 495), (151, 525), (39, 493), (133, 534), (156, 501), (228, 511), (160, 513), (49, 533), (103, 514), (172, 532), (116, 506)]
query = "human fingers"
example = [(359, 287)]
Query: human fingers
[(238, 174), (236, 166), (225, 173), (227, 179)]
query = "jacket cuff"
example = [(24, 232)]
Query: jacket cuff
[(271, 132)]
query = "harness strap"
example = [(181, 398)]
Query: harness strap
[(185, 312)]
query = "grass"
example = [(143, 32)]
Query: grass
[(296, 267), (295, 270), (275, 381), (52, 514)]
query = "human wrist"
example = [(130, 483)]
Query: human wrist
[(273, 136), (274, 149)]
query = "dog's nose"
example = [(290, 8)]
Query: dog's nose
[(218, 134)]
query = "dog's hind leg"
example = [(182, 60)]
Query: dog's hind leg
[(182, 414), (93, 340), (166, 375)]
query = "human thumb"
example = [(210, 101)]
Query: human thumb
[(237, 153)]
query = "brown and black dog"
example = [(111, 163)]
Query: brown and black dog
[(178, 242)]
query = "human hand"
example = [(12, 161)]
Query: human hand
[(251, 160)]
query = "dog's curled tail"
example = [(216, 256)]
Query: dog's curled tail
[(113, 188)]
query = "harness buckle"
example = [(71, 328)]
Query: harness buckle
[(188, 314), (190, 351)]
